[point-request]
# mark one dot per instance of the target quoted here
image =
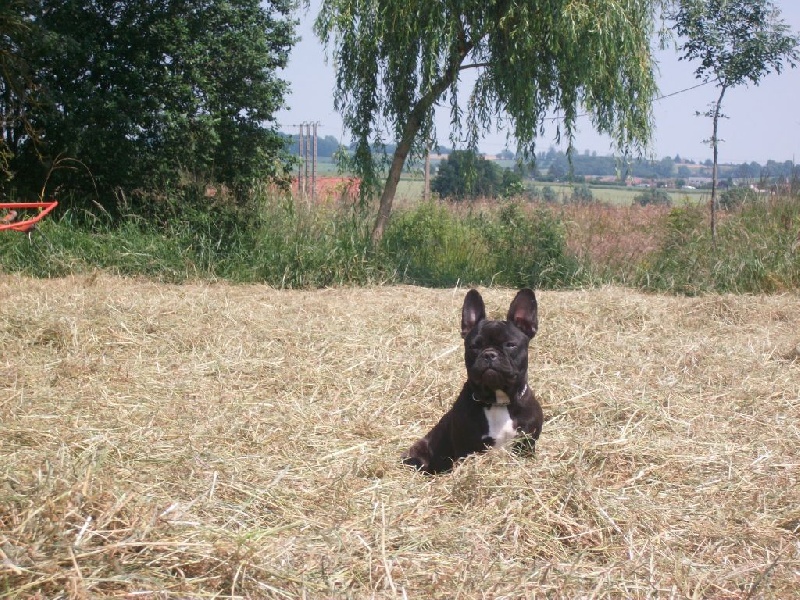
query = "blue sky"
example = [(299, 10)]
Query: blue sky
[(763, 123)]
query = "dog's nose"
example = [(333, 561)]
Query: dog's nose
[(490, 354)]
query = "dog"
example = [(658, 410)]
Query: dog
[(496, 406)]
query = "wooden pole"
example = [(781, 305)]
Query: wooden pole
[(314, 166), (426, 194), (300, 189), (308, 166)]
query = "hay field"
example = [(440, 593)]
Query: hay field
[(217, 441)]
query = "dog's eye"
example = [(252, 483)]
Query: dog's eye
[(510, 345)]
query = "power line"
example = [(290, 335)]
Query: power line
[(586, 114), (689, 89), (662, 97)]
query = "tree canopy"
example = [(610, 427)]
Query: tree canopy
[(144, 94), (735, 42), (16, 85), (396, 60), (464, 174)]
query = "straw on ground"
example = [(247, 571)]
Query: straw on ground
[(226, 441)]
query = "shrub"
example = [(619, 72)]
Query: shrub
[(529, 248), (430, 245), (549, 195), (653, 196), (582, 195), (515, 246), (754, 252), (733, 198), (300, 246)]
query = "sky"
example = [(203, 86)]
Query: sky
[(763, 121)]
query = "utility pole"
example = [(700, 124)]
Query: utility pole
[(300, 185), (307, 165), (314, 166), (426, 194), (308, 151)]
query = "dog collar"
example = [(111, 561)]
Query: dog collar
[(491, 402)]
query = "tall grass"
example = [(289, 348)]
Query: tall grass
[(756, 251), (289, 244), (302, 245), (511, 245), (271, 240)]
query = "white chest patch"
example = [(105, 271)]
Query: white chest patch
[(501, 425), (501, 398)]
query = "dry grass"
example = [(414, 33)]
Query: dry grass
[(613, 235), (203, 441)]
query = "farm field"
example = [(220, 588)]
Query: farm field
[(626, 195), (410, 190), (213, 440), (411, 187)]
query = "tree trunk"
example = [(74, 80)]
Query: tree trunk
[(395, 170), (714, 145), (405, 143)]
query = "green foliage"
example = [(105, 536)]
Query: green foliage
[(549, 195), (655, 196), (297, 245), (430, 245), (512, 185), (147, 95), (275, 240), (515, 246), (734, 41), (464, 174), (733, 198), (268, 239), (15, 82), (530, 249)]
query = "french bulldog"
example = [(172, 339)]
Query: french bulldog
[(496, 406)]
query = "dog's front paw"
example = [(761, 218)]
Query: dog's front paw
[(524, 445), (417, 463)]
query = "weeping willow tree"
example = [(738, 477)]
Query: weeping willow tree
[(396, 60)]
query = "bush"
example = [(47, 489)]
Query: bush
[(284, 243), (654, 196), (270, 239), (549, 195), (582, 195), (518, 247), (430, 245), (733, 198), (300, 246), (530, 249)]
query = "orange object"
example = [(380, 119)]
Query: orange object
[(8, 222)]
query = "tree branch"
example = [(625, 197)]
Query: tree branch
[(474, 66)]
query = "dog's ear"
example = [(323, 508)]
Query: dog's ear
[(524, 312), (472, 313)]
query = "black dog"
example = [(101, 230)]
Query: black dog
[(496, 406)]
